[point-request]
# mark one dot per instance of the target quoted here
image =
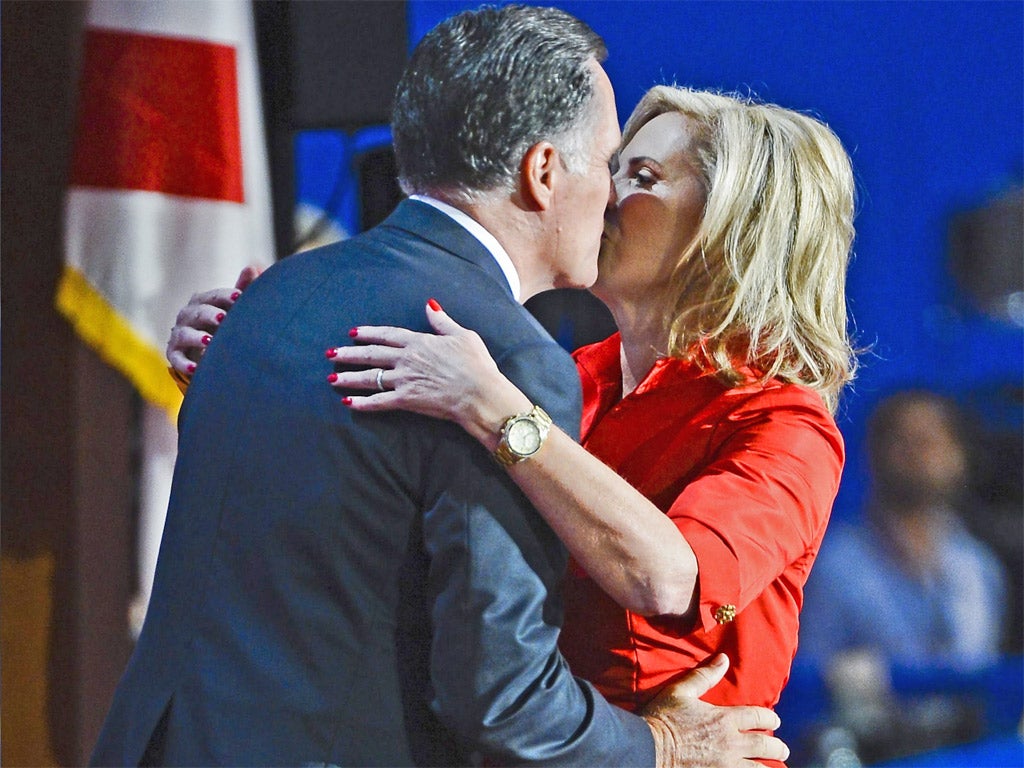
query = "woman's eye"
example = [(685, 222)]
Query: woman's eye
[(644, 178)]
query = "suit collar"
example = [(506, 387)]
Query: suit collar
[(428, 223), (477, 230)]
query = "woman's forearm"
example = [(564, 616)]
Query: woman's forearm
[(624, 542), (628, 546)]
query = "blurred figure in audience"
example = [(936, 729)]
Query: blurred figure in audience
[(908, 587), (911, 583)]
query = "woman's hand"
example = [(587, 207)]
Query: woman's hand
[(450, 375), (198, 320)]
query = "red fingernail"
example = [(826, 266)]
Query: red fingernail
[(346, 401), (332, 378), (235, 295), (432, 303), (206, 340), (191, 367), (330, 352), (354, 332), (220, 316)]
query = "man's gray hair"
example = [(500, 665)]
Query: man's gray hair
[(484, 86)]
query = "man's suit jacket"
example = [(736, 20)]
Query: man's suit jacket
[(358, 589)]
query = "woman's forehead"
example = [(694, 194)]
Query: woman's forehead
[(661, 136)]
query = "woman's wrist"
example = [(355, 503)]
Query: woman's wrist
[(484, 418)]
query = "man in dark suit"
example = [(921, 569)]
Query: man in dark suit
[(337, 588)]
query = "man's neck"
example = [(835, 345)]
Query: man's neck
[(481, 233), (517, 231)]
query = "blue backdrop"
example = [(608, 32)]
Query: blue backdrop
[(928, 97)]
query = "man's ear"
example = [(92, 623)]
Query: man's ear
[(538, 173)]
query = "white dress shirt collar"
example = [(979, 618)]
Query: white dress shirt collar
[(487, 240)]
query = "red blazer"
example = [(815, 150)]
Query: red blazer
[(749, 476)]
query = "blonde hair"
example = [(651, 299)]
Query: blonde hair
[(763, 282)]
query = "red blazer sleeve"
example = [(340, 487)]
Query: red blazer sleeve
[(764, 498)]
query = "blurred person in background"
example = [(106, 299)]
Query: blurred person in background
[(908, 589), (911, 583)]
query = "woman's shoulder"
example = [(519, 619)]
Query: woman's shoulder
[(791, 416), (744, 385), (754, 398)]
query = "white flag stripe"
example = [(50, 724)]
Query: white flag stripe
[(221, 21), (147, 253)]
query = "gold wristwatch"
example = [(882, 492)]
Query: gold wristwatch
[(522, 435)]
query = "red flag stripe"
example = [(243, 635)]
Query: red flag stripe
[(158, 114)]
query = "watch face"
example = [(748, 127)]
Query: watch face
[(524, 437)]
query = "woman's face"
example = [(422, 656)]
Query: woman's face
[(656, 209)]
